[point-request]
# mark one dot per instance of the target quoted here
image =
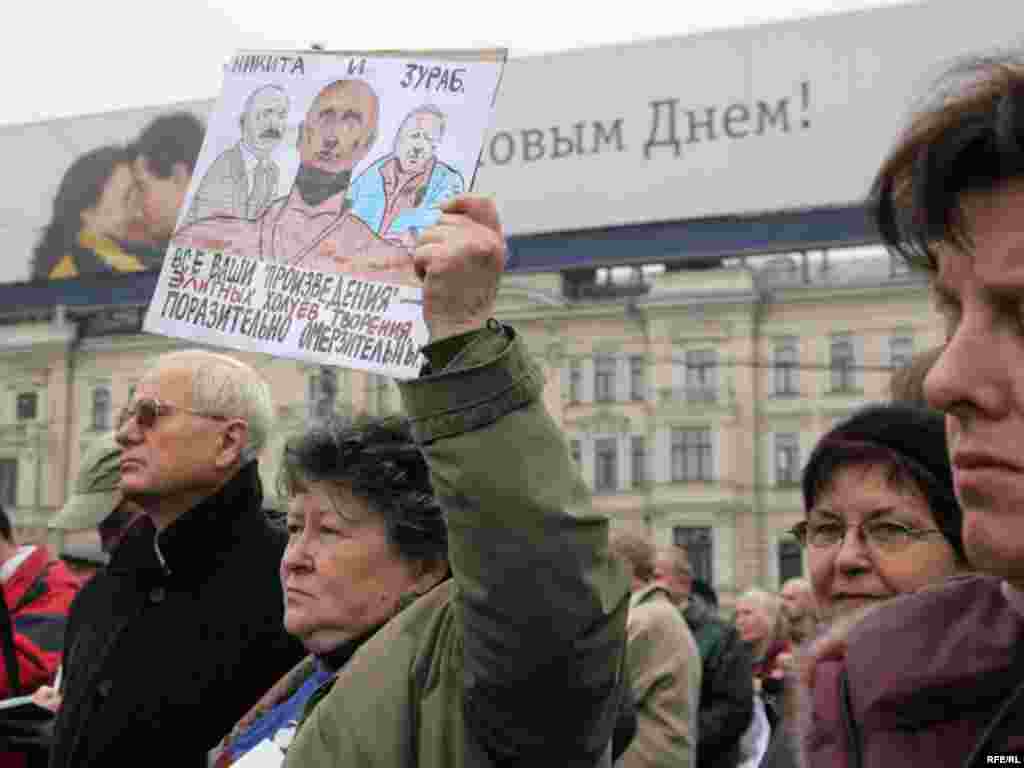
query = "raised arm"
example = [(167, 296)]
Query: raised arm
[(541, 606)]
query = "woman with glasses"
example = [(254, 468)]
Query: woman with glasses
[(881, 521), (881, 515)]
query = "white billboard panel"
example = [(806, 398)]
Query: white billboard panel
[(776, 117), (784, 116)]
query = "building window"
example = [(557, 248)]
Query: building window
[(576, 452), (842, 363), (787, 458), (102, 408), (575, 381), (787, 361), (791, 564), (606, 465), (9, 482), (691, 455), (697, 543), (604, 378), (27, 406), (701, 375), (901, 350), (637, 379), (638, 453)]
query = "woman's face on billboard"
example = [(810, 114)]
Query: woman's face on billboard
[(117, 213)]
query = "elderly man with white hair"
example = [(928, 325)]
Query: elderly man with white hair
[(168, 646)]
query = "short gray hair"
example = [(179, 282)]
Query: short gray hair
[(224, 386), (634, 550), (247, 107), (770, 604), (767, 602), (423, 109), (677, 558), (800, 582)]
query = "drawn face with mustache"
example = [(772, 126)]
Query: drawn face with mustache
[(265, 119)]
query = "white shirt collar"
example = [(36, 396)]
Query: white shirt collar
[(250, 159), (7, 569)]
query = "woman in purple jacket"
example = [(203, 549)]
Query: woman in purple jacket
[(937, 678), (882, 520)]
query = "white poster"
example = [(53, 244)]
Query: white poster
[(316, 174)]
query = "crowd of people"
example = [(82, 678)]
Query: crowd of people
[(421, 608)]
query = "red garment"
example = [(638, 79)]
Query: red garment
[(38, 596), (770, 667), (401, 192), (927, 672)]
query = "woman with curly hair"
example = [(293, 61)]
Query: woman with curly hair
[(366, 537)]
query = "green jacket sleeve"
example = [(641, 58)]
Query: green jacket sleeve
[(541, 603)]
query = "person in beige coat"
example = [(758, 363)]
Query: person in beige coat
[(663, 665)]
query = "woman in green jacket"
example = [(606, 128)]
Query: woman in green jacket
[(519, 657), (365, 533)]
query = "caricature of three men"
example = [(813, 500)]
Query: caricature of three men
[(325, 221)]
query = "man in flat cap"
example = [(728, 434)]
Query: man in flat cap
[(96, 515)]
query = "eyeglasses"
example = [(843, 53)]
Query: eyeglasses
[(146, 411), (884, 535)]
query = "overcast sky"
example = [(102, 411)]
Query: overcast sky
[(72, 58)]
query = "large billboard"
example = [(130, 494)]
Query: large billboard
[(783, 116), (780, 117), (76, 208)]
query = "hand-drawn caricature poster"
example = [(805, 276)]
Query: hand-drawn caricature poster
[(316, 174)]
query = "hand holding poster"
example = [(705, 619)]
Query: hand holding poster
[(317, 173)]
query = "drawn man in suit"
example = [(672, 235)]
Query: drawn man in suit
[(243, 180)]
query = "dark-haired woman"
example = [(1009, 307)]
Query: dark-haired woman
[(96, 225), (881, 515), (365, 536), (882, 520)]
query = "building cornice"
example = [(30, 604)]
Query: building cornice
[(907, 284)]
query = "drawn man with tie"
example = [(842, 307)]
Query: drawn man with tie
[(242, 181)]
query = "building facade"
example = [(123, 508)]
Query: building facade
[(692, 399), (689, 399)]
